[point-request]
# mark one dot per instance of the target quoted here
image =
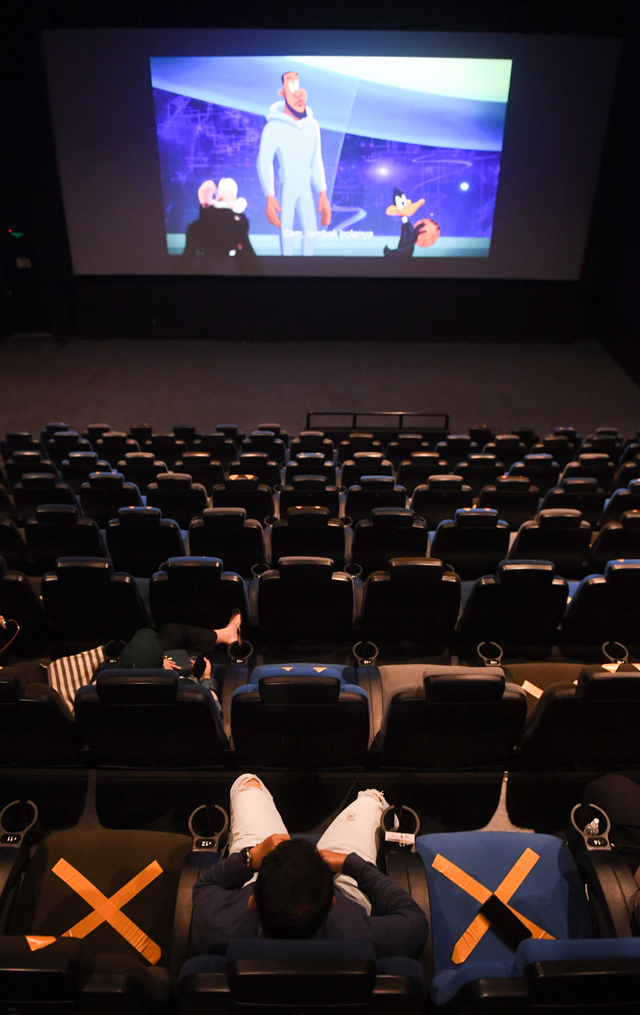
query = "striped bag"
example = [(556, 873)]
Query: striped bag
[(69, 673)]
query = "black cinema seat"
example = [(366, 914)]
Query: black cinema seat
[(626, 472), (308, 532), (313, 441), (389, 532), (185, 432), (631, 450), (221, 448), (307, 491), (140, 539), (440, 497), (619, 540), (357, 442), (177, 497), (579, 493), (12, 546), (113, 446), (305, 600), (245, 492), (455, 448), (399, 449), (515, 499), (561, 449), (95, 431), (202, 469), (364, 463), (232, 431), (604, 608), (373, 492), (518, 609), (418, 469), (311, 463), (460, 718), (277, 430), (19, 440), (507, 447), (541, 469), (88, 604), (76, 469), (479, 470), (147, 719), (606, 440), (257, 463), (58, 530), (592, 724), (594, 466), (621, 501), (527, 435), (50, 429), (63, 443), (267, 441), (36, 727), (140, 468), (228, 533), (19, 602), (166, 447), (28, 461), (415, 601), (481, 435), (141, 432), (105, 493), (36, 488), (559, 535), (195, 590), (302, 716), (7, 507), (473, 542)]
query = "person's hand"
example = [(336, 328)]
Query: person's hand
[(170, 664), (324, 208), (263, 848), (272, 210), (334, 861), (207, 669)]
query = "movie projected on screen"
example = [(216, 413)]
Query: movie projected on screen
[(329, 156), (328, 153)]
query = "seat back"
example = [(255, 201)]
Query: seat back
[(58, 530), (479, 470), (202, 469), (228, 533), (541, 469), (36, 727), (579, 493), (310, 491), (559, 535), (440, 497), (515, 499), (373, 492), (616, 540), (104, 494), (311, 441), (244, 492), (35, 488), (265, 440), (166, 447), (364, 463), (257, 463), (113, 445), (19, 601), (139, 540), (141, 469), (473, 543), (311, 463), (76, 469), (357, 442), (308, 531), (177, 497), (195, 590), (416, 600), (221, 448), (418, 469), (400, 448), (605, 608), (305, 600), (390, 532), (12, 546), (455, 448)]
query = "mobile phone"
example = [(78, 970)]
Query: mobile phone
[(504, 922)]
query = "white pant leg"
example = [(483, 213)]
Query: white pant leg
[(254, 815), (288, 201), (354, 831), (308, 219)]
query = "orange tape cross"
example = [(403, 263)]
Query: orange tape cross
[(507, 887), (110, 909)]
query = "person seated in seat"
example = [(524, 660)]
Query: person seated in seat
[(273, 886)]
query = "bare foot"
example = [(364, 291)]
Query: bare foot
[(229, 634)]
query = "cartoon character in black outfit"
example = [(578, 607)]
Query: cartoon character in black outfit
[(220, 236), (424, 233)]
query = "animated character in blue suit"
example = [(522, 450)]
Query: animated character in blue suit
[(292, 133)]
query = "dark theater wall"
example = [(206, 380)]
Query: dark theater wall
[(329, 309)]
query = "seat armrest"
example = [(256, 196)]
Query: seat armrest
[(407, 870), (612, 891)]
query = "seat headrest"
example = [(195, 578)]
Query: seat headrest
[(224, 518), (273, 427), (196, 457), (393, 518), (512, 484), (57, 514), (105, 480), (303, 516), (631, 520), (457, 440), (473, 686), (538, 461), (307, 482), (310, 458), (140, 517), (140, 459), (84, 569), (525, 573), (580, 484), (367, 457), (623, 575), (416, 570), (559, 518), (345, 674), (82, 457), (249, 458), (476, 518), (173, 481), (20, 457), (595, 459), (37, 480), (376, 482), (634, 487), (113, 437), (505, 440), (445, 482), (310, 435), (310, 569), (425, 457), (287, 690), (193, 569), (604, 686), (137, 687), (607, 431), (242, 481)]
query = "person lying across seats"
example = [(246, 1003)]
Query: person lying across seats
[(273, 886)]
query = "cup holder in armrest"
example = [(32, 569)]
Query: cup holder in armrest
[(209, 830), (400, 826), (240, 652), (366, 653), (592, 826), (355, 570), (258, 569), (19, 823), (492, 654)]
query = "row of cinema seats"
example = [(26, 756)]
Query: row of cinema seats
[(305, 716), (411, 608), (570, 945), (472, 543)]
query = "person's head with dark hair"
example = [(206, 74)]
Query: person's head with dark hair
[(293, 891)]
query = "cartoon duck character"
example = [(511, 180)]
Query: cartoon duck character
[(424, 233), (221, 232)]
